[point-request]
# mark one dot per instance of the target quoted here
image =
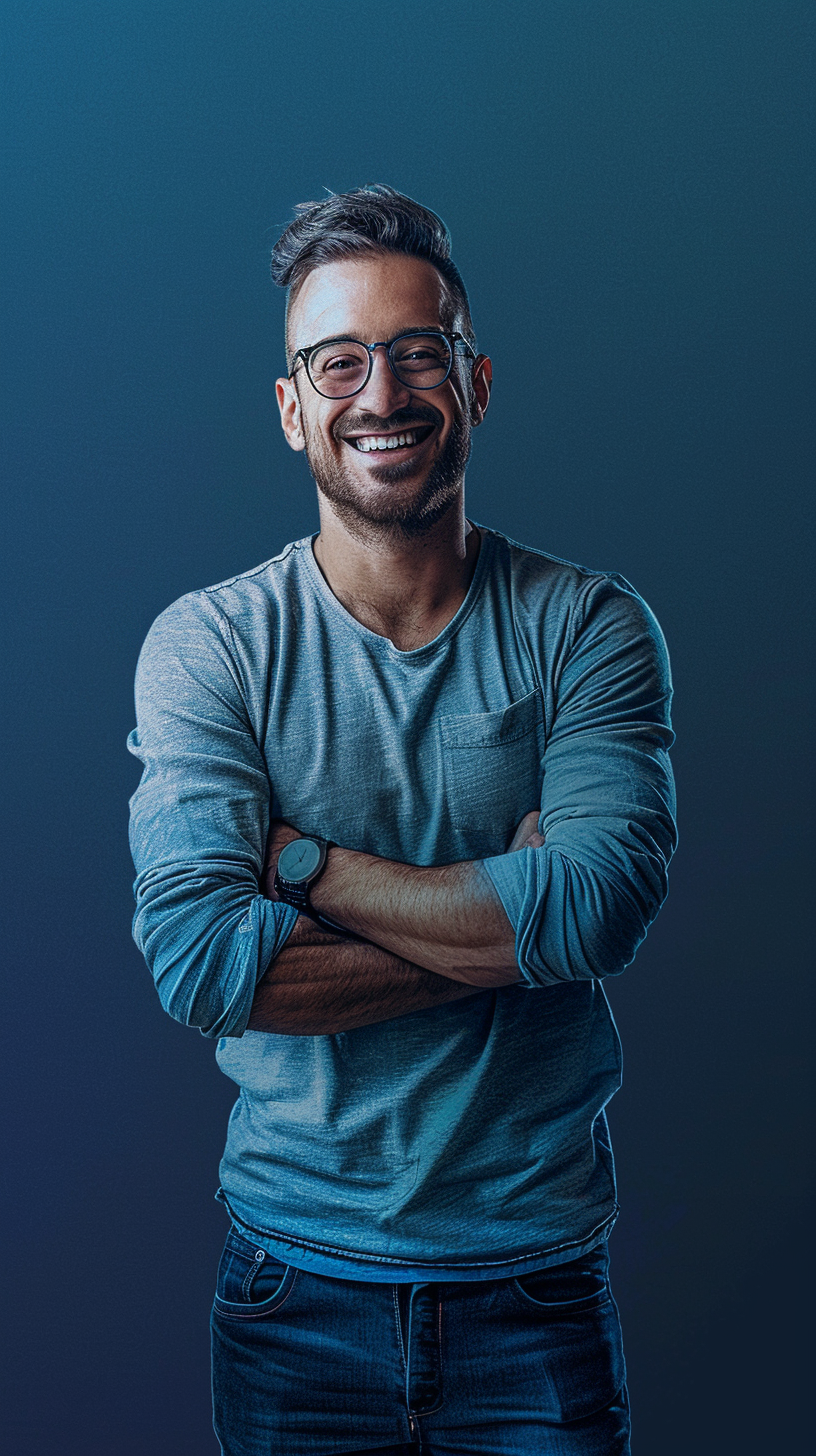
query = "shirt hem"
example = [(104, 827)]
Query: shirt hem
[(327, 1259)]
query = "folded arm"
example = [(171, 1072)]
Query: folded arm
[(223, 955), (578, 903), (575, 904), (320, 984), (448, 920)]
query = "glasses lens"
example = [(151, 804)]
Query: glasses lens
[(421, 360), (338, 369)]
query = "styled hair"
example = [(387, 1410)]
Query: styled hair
[(372, 219)]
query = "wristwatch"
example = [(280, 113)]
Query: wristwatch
[(301, 862)]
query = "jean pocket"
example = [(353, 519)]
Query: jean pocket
[(252, 1284), (571, 1322), (582, 1284)]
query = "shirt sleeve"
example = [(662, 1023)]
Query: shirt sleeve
[(199, 823), (580, 905)]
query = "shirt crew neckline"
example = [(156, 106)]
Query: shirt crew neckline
[(384, 644)]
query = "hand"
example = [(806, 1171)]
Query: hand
[(527, 835), (280, 834)]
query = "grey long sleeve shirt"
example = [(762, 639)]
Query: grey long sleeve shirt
[(468, 1141)]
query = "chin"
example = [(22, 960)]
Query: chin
[(408, 513)]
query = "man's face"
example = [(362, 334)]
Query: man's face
[(403, 490)]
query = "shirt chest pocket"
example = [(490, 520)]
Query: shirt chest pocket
[(492, 773)]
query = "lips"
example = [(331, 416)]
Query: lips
[(386, 441), (389, 441)]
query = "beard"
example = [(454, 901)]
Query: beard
[(392, 514)]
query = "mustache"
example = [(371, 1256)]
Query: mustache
[(362, 423)]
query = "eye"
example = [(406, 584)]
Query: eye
[(421, 352), (339, 363), (337, 359), (422, 358)]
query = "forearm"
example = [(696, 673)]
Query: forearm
[(448, 919), (320, 984)]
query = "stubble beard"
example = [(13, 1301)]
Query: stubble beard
[(378, 515)]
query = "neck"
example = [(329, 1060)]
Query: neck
[(404, 589)]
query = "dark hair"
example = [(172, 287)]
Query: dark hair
[(370, 219)]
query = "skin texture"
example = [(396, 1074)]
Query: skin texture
[(396, 550), (320, 983), (399, 568)]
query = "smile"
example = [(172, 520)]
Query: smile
[(399, 440)]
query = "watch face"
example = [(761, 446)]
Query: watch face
[(298, 860)]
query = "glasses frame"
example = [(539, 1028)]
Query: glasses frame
[(388, 344)]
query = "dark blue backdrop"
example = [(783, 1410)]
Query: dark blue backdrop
[(624, 183)]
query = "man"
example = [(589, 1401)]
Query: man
[(406, 802)]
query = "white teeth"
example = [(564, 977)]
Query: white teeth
[(384, 442)]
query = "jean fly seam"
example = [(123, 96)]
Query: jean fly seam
[(416, 1415), (395, 1293)]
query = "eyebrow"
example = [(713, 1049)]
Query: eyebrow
[(355, 338)]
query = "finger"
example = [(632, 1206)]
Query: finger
[(528, 826)]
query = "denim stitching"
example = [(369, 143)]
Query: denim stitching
[(439, 1344), (255, 1311), (395, 1292), (563, 1307), (420, 1415), (250, 1275)]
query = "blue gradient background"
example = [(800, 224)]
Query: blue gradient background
[(625, 184)]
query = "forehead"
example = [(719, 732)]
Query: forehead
[(370, 298)]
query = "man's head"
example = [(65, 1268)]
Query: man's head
[(369, 266)]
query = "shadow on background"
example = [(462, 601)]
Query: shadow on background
[(625, 185)]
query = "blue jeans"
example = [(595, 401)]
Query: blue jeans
[(305, 1365)]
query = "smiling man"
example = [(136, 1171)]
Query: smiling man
[(406, 802)]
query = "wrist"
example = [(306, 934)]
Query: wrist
[(354, 885), (358, 889)]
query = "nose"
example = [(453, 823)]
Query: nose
[(383, 393)]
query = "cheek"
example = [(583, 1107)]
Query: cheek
[(315, 433), (325, 426)]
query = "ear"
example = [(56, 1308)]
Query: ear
[(481, 381), (289, 406)]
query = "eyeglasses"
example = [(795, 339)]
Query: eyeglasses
[(420, 359)]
